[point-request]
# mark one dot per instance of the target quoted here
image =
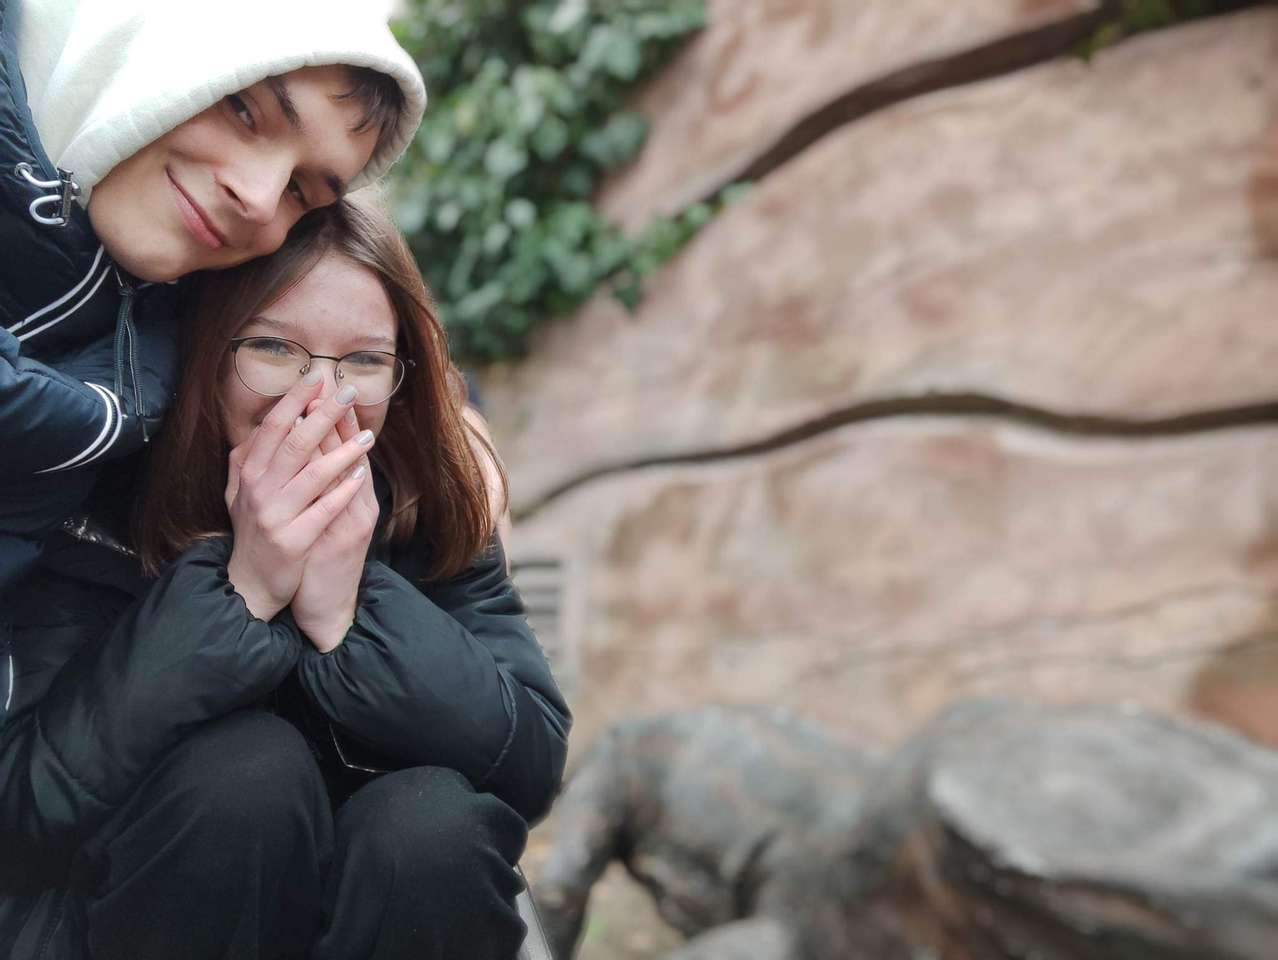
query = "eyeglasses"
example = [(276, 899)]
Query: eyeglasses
[(272, 365)]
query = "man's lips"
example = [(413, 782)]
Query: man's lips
[(196, 220)]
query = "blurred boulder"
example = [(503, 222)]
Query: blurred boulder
[(999, 831), (697, 805), (1004, 830)]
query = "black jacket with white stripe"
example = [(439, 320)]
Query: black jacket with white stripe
[(88, 359)]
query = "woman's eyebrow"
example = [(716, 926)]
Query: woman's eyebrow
[(268, 322), (372, 341)]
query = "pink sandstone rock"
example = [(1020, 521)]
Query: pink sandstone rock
[(1088, 239)]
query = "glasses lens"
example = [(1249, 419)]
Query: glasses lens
[(375, 374), (269, 365)]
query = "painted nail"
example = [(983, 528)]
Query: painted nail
[(347, 394), (298, 421), (358, 472), (365, 438), (313, 378)]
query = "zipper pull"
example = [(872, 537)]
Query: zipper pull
[(70, 191)]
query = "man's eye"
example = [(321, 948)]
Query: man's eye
[(295, 190), (241, 110)]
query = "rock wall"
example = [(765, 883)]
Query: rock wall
[(975, 391)]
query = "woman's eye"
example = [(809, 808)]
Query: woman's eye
[(295, 191), (241, 110), (368, 360), (270, 347)]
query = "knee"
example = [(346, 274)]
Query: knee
[(431, 824), (249, 773)]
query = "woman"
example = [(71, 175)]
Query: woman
[(141, 142), (163, 811)]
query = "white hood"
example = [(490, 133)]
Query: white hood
[(107, 77)]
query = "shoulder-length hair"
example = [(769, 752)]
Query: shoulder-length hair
[(426, 449)]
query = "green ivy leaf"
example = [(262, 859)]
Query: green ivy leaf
[(504, 159), (617, 142), (567, 15), (448, 216), (551, 138), (495, 238), (521, 213), (623, 56)]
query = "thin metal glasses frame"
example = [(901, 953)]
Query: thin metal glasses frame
[(237, 342)]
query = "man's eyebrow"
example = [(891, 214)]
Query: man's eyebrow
[(285, 99)]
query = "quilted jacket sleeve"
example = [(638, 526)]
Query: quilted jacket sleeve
[(448, 675), (48, 418), (58, 426), (186, 652), (68, 416)]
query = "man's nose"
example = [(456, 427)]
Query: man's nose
[(256, 191)]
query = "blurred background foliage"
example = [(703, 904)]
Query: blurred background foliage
[(528, 112)]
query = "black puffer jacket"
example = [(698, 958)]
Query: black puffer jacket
[(88, 359), (112, 671)]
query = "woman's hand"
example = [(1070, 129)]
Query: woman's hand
[(324, 604), (281, 499)]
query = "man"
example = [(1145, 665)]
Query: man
[(141, 141)]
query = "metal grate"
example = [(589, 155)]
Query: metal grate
[(540, 581)]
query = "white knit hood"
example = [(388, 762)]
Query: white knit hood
[(107, 77)]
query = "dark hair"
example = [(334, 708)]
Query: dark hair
[(380, 97), (426, 449)]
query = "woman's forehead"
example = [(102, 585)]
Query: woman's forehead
[(335, 300)]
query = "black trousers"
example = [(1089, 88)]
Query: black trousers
[(230, 850)]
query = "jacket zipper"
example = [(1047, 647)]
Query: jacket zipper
[(126, 350)]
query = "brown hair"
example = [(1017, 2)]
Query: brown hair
[(426, 449), (380, 98)]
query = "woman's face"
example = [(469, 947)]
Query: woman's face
[(337, 309)]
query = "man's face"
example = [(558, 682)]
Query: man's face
[(228, 184)]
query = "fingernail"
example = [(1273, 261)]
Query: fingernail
[(313, 378), (365, 438), (297, 422), (347, 394), (358, 472)]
